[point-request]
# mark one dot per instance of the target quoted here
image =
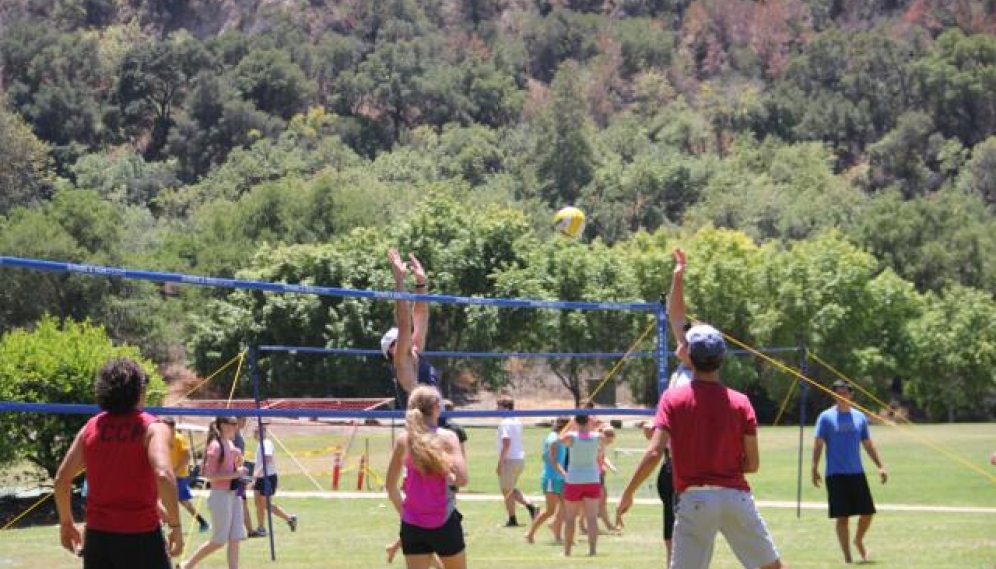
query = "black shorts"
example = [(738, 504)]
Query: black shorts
[(665, 489), (849, 495), (106, 550), (266, 486), (444, 541)]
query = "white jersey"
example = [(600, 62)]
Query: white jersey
[(264, 452), (511, 429)]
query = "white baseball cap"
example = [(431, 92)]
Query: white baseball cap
[(386, 340)]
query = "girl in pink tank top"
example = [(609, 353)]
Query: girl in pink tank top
[(430, 522)]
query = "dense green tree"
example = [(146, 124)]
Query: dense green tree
[(53, 80), (564, 159), (955, 342), (933, 241), (979, 174), (776, 191), (124, 177), (957, 81), (274, 83), (56, 363), (153, 78), (25, 178)]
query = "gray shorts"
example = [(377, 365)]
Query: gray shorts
[(226, 516), (703, 513)]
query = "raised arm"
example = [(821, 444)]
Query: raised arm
[(421, 311), (404, 361), (676, 298)]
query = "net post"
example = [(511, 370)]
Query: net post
[(803, 390), (254, 377), (661, 352)]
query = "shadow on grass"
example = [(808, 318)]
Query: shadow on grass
[(43, 514)]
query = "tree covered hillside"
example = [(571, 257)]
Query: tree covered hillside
[(830, 165)]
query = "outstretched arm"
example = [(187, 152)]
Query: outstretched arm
[(648, 462), (676, 298), (421, 324), (404, 362)]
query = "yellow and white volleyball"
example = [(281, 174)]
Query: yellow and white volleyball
[(569, 221)]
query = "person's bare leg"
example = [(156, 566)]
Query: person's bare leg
[(246, 518), (549, 510), (569, 524), (864, 522), (233, 554), (207, 548), (458, 561), (557, 525), (420, 561), (843, 536), (668, 546), (591, 514), (260, 501), (392, 549), (776, 564), (509, 502)]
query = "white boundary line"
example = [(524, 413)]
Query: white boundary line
[(468, 497)]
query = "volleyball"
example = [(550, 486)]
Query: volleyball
[(569, 222)]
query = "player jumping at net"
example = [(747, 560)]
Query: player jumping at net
[(403, 344)]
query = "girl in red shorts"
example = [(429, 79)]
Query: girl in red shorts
[(582, 484)]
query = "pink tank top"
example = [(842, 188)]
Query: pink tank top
[(428, 499)]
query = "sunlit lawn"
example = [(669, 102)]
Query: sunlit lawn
[(351, 533)]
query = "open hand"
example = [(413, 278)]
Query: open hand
[(398, 266), (679, 262), (417, 269)]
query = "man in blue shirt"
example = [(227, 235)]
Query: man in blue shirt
[(844, 430)]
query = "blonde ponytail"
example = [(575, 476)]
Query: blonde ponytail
[(424, 445)]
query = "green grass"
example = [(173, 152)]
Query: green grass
[(351, 533)]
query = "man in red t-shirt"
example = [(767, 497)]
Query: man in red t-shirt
[(713, 434)]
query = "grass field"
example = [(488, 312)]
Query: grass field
[(351, 533)]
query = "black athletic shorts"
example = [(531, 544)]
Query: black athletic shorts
[(266, 486), (665, 489), (106, 550), (849, 495), (444, 541)]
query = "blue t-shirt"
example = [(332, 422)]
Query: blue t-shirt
[(549, 472), (842, 433)]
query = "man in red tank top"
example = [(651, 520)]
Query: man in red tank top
[(125, 452)]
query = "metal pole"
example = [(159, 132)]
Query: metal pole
[(803, 390), (260, 450), (661, 314)]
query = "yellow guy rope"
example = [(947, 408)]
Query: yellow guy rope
[(228, 404), (788, 395), (851, 382), (868, 412), (299, 465), (31, 508), (186, 395), (622, 360)]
